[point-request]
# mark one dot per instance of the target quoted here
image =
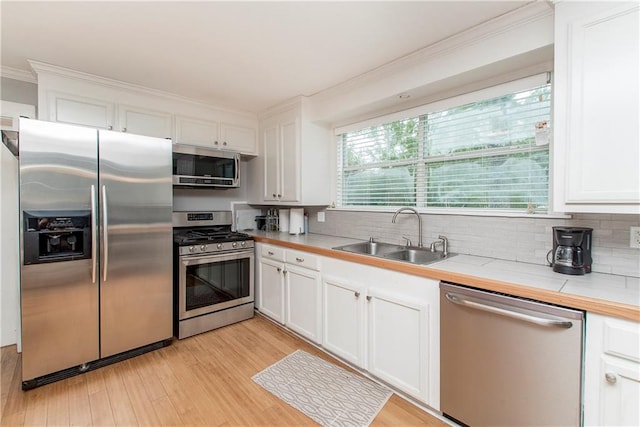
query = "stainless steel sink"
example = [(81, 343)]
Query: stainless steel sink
[(417, 256), (370, 248), (414, 255)]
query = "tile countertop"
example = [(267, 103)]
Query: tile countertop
[(607, 294)]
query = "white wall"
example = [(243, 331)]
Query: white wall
[(9, 258)]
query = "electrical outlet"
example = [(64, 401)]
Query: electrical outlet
[(634, 237), (320, 216)]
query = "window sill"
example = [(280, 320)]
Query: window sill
[(464, 212)]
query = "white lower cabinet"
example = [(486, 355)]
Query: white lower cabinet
[(270, 282), (398, 335), (386, 323), (343, 319), (303, 302), (612, 372), (290, 289), (381, 321)]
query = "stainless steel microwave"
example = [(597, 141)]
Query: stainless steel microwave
[(200, 167)]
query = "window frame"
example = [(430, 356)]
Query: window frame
[(452, 102)]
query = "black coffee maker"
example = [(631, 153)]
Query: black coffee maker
[(571, 253)]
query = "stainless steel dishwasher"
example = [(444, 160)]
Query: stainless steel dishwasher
[(507, 361)]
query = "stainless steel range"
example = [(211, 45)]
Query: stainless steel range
[(213, 272)]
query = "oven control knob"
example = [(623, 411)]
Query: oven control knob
[(219, 246), (234, 244), (191, 249), (243, 244), (203, 248)]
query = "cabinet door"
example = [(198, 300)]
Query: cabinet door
[(620, 393), (272, 289), (290, 163), (197, 132), (597, 106), (271, 159), (78, 110), (343, 316), (303, 302), (397, 346), (238, 138), (144, 122)]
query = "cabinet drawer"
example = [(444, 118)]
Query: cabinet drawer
[(303, 259), (622, 339), (273, 252)]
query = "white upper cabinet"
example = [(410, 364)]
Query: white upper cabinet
[(211, 134), (238, 138), (79, 110), (596, 107), (68, 96), (197, 132), (141, 121), (293, 159)]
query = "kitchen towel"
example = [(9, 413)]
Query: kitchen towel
[(283, 215), (296, 221)]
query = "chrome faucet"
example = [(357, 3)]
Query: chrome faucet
[(445, 245), (419, 222)]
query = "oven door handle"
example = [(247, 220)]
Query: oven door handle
[(198, 259)]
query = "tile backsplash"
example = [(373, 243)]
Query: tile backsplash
[(514, 239)]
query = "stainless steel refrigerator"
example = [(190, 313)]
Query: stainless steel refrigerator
[(96, 247)]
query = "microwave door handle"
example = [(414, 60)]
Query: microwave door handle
[(236, 159), (94, 237), (105, 234)]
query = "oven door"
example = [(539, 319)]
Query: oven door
[(215, 282)]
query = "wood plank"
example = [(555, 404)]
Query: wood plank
[(122, 408), (58, 404), (79, 405)]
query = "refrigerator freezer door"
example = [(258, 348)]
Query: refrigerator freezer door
[(59, 302), (136, 291)]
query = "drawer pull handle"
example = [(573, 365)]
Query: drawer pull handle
[(611, 377), (299, 259), (270, 253)]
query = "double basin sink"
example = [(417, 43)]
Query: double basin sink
[(411, 254)]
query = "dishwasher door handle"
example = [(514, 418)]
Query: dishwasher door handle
[(456, 299)]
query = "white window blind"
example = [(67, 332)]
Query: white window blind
[(480, 155)]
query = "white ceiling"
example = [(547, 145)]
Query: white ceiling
[(243, 55)]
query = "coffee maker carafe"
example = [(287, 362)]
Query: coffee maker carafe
[(571, 253)]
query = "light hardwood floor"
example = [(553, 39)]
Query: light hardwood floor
[(202, 380)]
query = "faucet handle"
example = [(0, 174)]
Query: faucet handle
[(371, 239), (409, 243)]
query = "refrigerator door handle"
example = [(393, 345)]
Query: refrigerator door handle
[(456, 299), (105, 234), (94, 236)]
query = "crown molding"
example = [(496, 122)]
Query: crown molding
[(42, 67), (531, 12), (17, 74)]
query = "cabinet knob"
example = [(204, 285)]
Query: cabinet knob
[(279, 195), (299, 259), (124, 129), (109, 127), (215, 142), (274, 194), (368, 297), (611, 377), (357, 294), (284, 272), (224, 143), (279, 269)]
